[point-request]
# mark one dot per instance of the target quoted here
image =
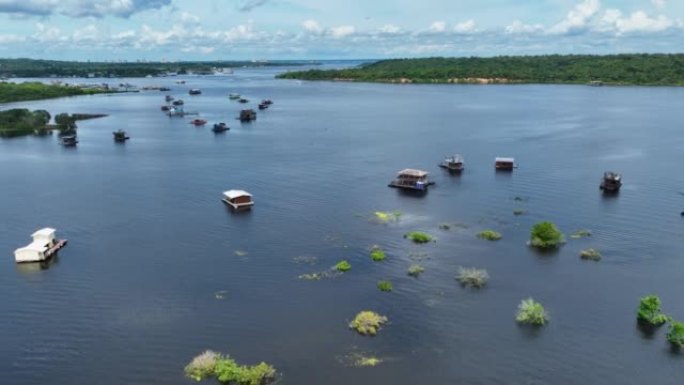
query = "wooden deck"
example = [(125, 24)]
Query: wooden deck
[(55, 248)]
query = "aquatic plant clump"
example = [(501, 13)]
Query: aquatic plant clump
[(419, 237), (580, 234), (202, 366), (360, 360), (228, 371), (489, 235), (545, 235), (343, 266), (385, 286), (676, 335), (649, 311), (518, 212), (472, 277), (415, 270), (368, 322), (445, 226), (532, 313), (590, 254), (377, 254), (387, 217)]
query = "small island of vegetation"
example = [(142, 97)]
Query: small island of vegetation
[(625, 69), (19, 92), (531, 312), (546, 235), (227, 371), (368, 323)]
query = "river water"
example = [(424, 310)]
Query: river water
[(157, 269)]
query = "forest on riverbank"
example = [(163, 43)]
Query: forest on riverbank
[(626, 69)]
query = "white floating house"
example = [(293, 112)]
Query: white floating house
[(501, 163), (238, 199), (43, 247)]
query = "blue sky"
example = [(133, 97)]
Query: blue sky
[(326, 29)]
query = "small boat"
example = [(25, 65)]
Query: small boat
[(120, 136), (69, 141), (234, 96), (165, 108), (198, 122), (267, 102), (176, 112), (411, 179), (243, 100), (178, 102), (164, 89), (238, 199), (169, 98), (453, 163), (43, 247), (247, 115), (195, 91), (180, 81), (263, 106), (220, 127), (612, 181), (505, 164)]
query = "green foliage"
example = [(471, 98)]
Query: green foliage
[(386, 216), (489, 235), (415, 270), (343, 266), (676, 334), (21, 121), (202, 366), (531, 312), (590, 254), (626, 69), (649, 311), (17, 92), (545, 235), (377, 254), (385, 286), (368, 322), (228, 371), (472, 277), (419, 237)]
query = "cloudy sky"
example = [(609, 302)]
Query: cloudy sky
[(329, 29)]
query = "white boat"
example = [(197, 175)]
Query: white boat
[(43, 247), (238, 199)]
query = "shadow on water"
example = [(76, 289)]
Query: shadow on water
[(31, 268), (530, 332), (647, 330), (412, 193)]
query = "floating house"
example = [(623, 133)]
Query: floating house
[(453, 163), (612, 181), (120, 136), (195, 91), (507, 164), (247, 115), (198, 122), (411, 179), (43, 247), (69, 141), (220, 127), (238, 199)]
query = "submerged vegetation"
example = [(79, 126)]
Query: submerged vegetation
[(386, 216), (532, 313), (580, 234), (590, 254), (226, 370), (343, 266), (415, 270), (419, 237), (649, 311), (676, 335), (472, 277), (625, 69), (489, 235), (545, 235), (377, 254), (385, 286), (368, 322)]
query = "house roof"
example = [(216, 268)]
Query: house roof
[(232, 194), (413, 172), (33, 246), (46, 232), (505, 160)]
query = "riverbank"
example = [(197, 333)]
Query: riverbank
[(19, 92), (628, 69)]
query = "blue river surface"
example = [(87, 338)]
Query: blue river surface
[(158, 269)]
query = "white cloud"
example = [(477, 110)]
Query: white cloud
[(466, 27), (660, 4), (88, 33), (312, 26), (342, 31), (520, 28), (80, 8), (638, 21), (389, 29), (189, 18), (438, 26), (578, 18)]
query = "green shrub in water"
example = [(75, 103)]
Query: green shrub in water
[(202, 366), (472, 277), (590, 254), (532, 313), (545, 235), (226, 370), (343, 266), (377, 254), (415, 270), (676, 334), (368, 323), (385, 286), (387, 217), (649, 311), (419, 237), (489, 235)]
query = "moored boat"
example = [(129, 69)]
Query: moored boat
[(69, 141), (247, 115), (120, 136), (198, 122), (243, 100), (178, 102), (263, 106), (195, 91), (238, 199), (234, 96), (220, 127), (453, 163), (168, 98), (411, 179), (504, 164), (165, 108), (42, 248), (611, 182)]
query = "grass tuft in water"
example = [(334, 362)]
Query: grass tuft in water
[(545, 235), (361, 360), (590, 255), (518, 212), (489, 235), (419, 237), (377, 254), (228, 371), (368, 323), (580, 234), (415, 270), (676, 335), (387, 216), (385, 286), (531, 312), (445, 226), (472, 277), (343, 266), (649, 311)]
